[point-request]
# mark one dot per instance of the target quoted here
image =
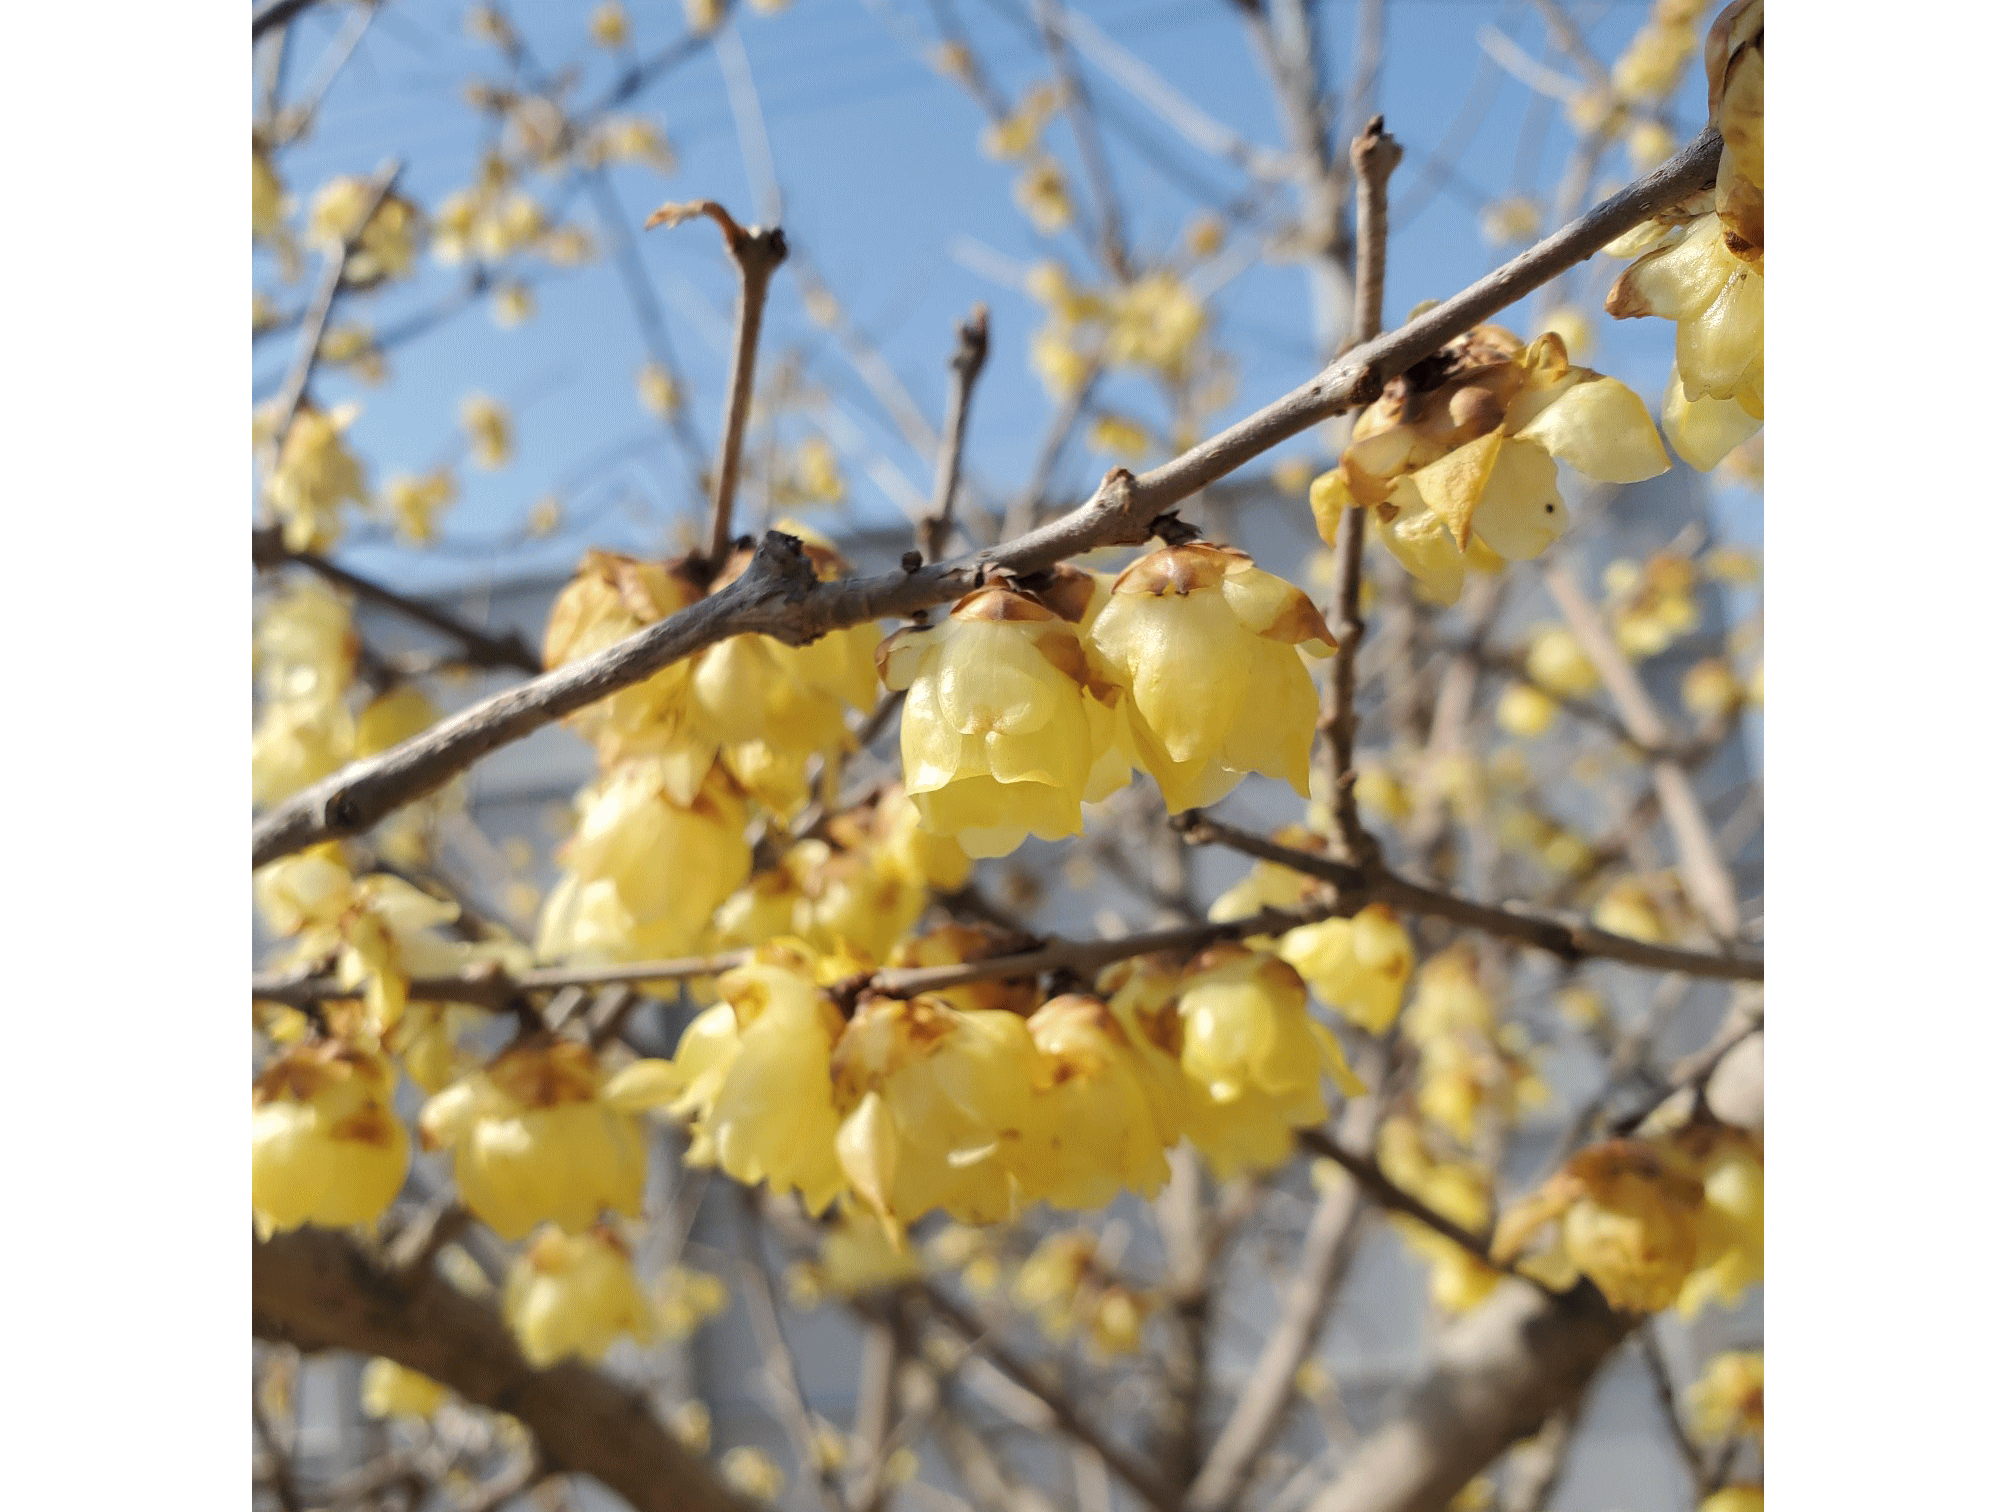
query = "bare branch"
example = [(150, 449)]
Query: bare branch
[(489, 988), (1078, 111), (316, 1290), (1497, 1374), (1374, 156), (780, 596), (1142, 1478), (480, 648), (1669, 1409), (758, 252), (276, 13), (967, 361), (1702, 871), (1382, 1189), (1569, 939), (779, 1365)]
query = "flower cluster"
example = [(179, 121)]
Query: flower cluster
[(979, 1105), (1457, 458), (1153, 324), (1701, 265), (686, 754), (326, 1147), (1028, 702)]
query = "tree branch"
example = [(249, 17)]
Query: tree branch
[(1374, 156), (758, 252), (480, 648), (1571, 940), (779, 595), (1497, 1375), (487, 988), (316, 1290), (967, 361)]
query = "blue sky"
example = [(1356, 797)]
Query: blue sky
[(887, 195)]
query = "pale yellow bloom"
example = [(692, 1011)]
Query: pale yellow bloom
[(658, 391), (316, 475), (1524, 711), (653, 853), (487, 425), (687, 1298), (417, 503), (747, 1470), (997, 737), (1157, 321), (1728, 1399), (388, 1389), (542, 1134), (513, 306), (269, 197), (386, 245), (609, 24), (1630, 1220), (1730, 1164), (1094, 1131), (1471, 463), (1044, 195), (936, 1106), (574, 1295), (1247, 1032), (1202, 647), (611, 598), (1556, 661), (326, 1146)]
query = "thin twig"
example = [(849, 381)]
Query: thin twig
[(967, 361), (1145, 1481), (294, 387), (1669, 1408), (1374, 156), (779, 595), (758, 251), (1382, 1189), (1078, 111), (786, 1390), (486, 987), (1571, 940), (480, 648)]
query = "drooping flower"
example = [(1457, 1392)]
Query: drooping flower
[(997, 738), (326, 1147), (1460, 453), (317, 474), (1630, 1220), (572, 1294), (544, 1134), (1202, 646), (1094, 1131), (936, 1104), (1728, 1399)]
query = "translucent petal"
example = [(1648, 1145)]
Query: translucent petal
[(1521, 514), (1602, 430)]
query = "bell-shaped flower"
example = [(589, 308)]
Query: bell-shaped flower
[(610, 599), (753, 1072), (1730, 1165), (936, 1106), (574, 1295), (1202, 646), (1629, 1221), (543, 1134), (1095, 1131), (654, 852), (1728, 1398), (1460, 453), (326, 1146), (997, 744)]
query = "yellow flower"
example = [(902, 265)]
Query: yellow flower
[(1526, 712), (1629, 1216), (1118, 437), (609, 24), (326, 1147), (610, 599), (1044, 195), (686, 1299), (1202, 646), (297, 741), (1704, 431), (1728, 1399), (754, 1073), (652, 855), (747, 1470), (1556, 661), (540, 1135), (1511, 220), (1094, 1130), (1470, 461), (1255, 1059), (385, 938), (416, 503), (635, 139), (936, 1104), (487, 425), (388, 242), (904, 847), (1715, 297), (317, 474), (1734, 59), (858, 1255), (1359, 966), (513, 306), (388, 1389), (1015, 134), (997, 740), (1730, 1165), (658, 391), (573, 1294), (1460, 1192), (308, 889), (1156, 323), (269, 197)]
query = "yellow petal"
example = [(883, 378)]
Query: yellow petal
[(1520, 513), (1602, 430)]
